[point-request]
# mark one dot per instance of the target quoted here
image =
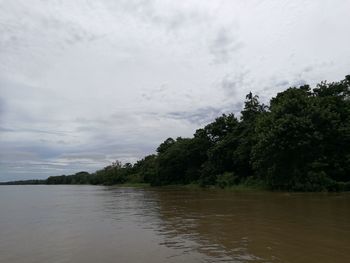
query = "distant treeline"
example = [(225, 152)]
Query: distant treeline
[(24, 182), (299, 142)]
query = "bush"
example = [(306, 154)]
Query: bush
[(227, 179), (315, 182)]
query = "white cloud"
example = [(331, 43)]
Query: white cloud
[(85, 82)]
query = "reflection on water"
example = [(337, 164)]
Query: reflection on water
[(259, 227), (108, 224)]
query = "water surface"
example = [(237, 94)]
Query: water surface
[(109, 224)]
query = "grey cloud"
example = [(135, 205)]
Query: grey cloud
[(308, 68), (125, 151), (2, 106), (282, 83), (45, 24), (294, 81), (204, 115), (223, 46), (171, 19), (62, 142), (4, 129), (59, 133), (276, 84), (42, 162), (12, 155), (31, 151), (179, 20), (298, 83), (41, 170), (233, 83), (156, 93), (83, 156)]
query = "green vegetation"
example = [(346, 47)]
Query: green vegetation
[(300, 142), (24, 182)]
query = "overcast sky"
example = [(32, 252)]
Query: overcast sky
[(83, 83)]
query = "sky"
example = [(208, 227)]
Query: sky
[(86, 82)]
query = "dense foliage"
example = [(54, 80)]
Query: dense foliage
[(300, 142)]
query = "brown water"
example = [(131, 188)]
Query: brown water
[(107, 224)]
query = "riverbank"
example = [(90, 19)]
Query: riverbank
[(195, 187), (246, 186)]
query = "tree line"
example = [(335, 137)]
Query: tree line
[(299, 142)]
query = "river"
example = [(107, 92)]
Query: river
[(59, 224)]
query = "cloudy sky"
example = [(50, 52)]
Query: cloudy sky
[(86, 82)]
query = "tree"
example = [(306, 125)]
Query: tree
[(303, 141), (145, 170)]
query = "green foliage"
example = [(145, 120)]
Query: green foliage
[(78, 178), (227, 179), (181, 162), (304, 139), (145, 170), (217, 130), (24, 182)]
